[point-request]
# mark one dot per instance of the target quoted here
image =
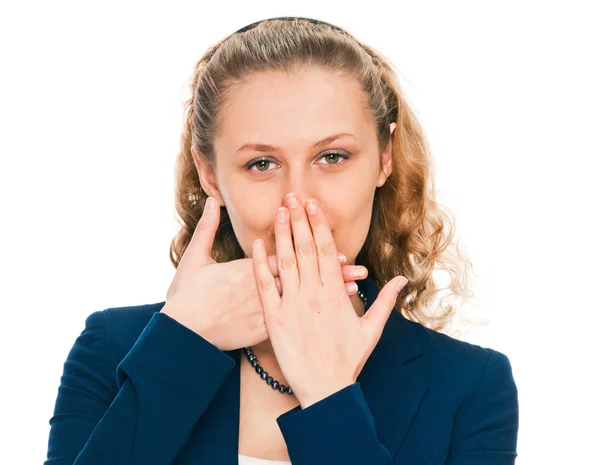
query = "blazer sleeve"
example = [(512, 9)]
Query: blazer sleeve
[(486, 425), (338, 429), (165, 383)]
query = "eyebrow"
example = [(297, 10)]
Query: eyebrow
[(271, 148)]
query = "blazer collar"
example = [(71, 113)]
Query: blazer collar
[(391, 386)]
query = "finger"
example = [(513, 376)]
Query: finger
[(329, 268), (275, 269), (376, 317), (273, 265), (286, 257), (278, 284), (354, 272), (198, 251), (304, 243), (351, 288), (265, 281)]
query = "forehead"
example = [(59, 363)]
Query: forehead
[(280, 108)]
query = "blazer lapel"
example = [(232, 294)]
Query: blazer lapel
[(392, 389)]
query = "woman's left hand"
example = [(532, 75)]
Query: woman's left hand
[(320, 343)]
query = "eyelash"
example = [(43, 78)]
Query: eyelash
[(248, 166)]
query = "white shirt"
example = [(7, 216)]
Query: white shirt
[(245, 460)]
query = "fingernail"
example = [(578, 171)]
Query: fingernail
[(401, 283), (311, 206), (282, 215), (209, 205), (342, 258), (291, 200), (360, 272)]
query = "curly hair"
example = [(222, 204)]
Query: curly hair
[(409, 234)]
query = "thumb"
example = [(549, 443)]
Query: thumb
[(198, 252), (375, 319)]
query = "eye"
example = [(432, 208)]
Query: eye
[(263, 164), (260, 163), (332, 158)]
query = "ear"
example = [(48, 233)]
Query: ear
[(207, 177), (386, 160)]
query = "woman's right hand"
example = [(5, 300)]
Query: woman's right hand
[(220, 301)]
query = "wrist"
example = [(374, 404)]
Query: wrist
[(171, 311)]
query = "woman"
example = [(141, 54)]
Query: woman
[(298, 146)]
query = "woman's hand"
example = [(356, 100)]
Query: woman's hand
[(320, 343), (220, 301)]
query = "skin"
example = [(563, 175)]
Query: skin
[(315, 333), (291, 113)]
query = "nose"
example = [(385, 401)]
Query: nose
[(302, 198), (300, 186), (299, 179)]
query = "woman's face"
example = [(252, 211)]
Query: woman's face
[(281, 133)]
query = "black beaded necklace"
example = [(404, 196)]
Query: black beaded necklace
[(276, 385)]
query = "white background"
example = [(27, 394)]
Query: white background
[(91, 112)]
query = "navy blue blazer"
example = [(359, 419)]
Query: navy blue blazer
[(139, 388)]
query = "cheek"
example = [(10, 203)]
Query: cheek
[(252, 219), (349, 220), (251, 210)]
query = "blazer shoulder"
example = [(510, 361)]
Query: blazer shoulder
[(444, 345), (448, 359), (130, 318), (121, 327)]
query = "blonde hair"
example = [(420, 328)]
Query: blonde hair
[(410, 234)]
